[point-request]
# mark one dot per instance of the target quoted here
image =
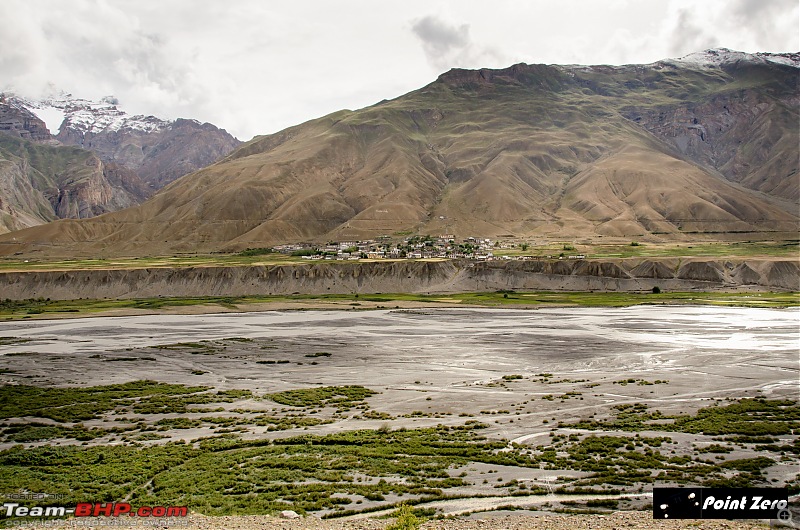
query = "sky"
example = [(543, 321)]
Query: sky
[(256, 67)]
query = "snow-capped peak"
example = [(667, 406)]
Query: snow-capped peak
[(62, 110), (716, 57), (708, 59)]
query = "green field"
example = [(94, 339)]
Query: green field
[(15, 309), (640, 249), (189, 260)]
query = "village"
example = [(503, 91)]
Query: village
[(420, 247)]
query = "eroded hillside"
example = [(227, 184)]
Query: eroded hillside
[(618, 275)]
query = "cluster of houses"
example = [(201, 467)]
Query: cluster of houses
[(417, 247)]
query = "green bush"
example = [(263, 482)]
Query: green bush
[(341, 397), (406, 520)]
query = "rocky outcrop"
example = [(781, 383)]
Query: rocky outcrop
[(741, 134), (21, 204), (104, 188), (158, 151), (658, 270), (782, 274), (21, 123), (704, 271), (405, 276), (40, 183)]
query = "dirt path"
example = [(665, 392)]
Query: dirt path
[(611, 521)]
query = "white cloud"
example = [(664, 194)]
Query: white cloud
[(744, 25), (447, 46)]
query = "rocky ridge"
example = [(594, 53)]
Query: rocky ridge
[(17, 120)]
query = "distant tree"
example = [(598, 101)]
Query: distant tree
[(406, 520)]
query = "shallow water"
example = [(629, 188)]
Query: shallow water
[(637, 329)]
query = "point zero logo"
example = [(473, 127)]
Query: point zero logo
[(719, 503)]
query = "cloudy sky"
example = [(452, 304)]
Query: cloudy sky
[(256, 67)]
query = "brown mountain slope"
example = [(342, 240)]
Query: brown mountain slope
[(40, 183), (528, 150)]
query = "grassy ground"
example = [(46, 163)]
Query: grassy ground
[(13, 309), (638, 249), (209, 260)]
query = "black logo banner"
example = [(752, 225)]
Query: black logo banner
[(720, 503)]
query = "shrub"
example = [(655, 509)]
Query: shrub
[(406, 520)]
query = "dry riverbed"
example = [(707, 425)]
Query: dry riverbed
[(534, 380)]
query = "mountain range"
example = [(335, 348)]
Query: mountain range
[(66, 157), (702, 145)]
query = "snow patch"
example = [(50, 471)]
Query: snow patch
[(716, 57), (62, 110), (713, 58), (52, 118), (789, 59)]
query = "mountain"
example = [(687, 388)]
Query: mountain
[(130, 157), (706, 144), (159, 151), (42, 180)]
